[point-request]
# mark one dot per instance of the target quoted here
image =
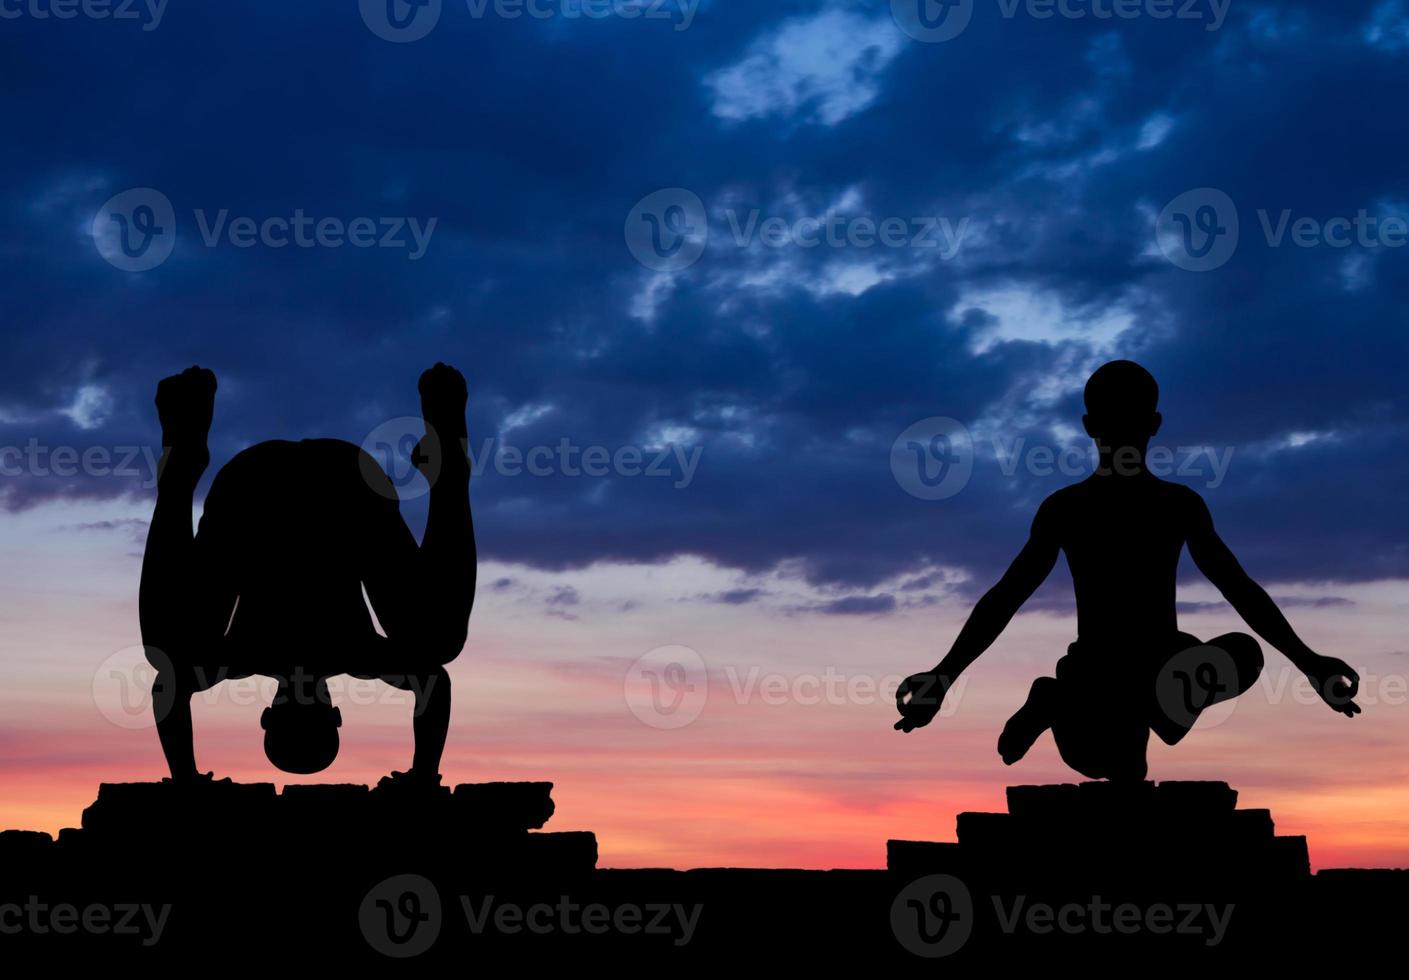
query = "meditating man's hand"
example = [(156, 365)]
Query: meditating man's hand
[(919, 699), (1336, 682)]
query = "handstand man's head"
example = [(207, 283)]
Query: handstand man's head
[(1121, 402), (301, 734)]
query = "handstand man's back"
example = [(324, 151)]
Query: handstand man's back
[(1122, 530)]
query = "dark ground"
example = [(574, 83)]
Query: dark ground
[(235, 876)]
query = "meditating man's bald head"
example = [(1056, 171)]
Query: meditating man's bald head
[(1121, 401)]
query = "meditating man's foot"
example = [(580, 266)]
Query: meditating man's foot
[(1026, 726)]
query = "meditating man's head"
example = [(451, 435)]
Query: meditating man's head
[(301, 734), (1121, 402)]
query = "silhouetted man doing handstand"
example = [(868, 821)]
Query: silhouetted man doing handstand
[(1131, 670), (272, 584)]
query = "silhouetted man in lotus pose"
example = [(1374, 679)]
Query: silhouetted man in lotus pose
[(1131, 670), (272, 584)]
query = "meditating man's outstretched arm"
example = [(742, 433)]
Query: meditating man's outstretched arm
[(920, 696), (1335, 681), (181, 605)]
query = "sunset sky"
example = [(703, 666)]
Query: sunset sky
[(753, 393)]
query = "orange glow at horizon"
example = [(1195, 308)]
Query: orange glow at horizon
[(791, 761)]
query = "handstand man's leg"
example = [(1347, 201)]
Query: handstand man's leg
[(423, 596), (179, 605)]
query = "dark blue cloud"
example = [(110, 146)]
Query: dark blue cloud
[(791, 369)]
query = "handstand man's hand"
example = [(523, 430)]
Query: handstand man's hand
[(443, 398), (1336, 682), (919, 699)]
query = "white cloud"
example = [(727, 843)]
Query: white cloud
[(90, 407), (1022, 313), (1388, 29), (847, 278), (523, 416), (653, 292), (829, 63)]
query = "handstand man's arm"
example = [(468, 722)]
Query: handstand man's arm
[(920, 696), (1333, 679)]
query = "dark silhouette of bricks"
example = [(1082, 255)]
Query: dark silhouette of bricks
[(1114, 833), (505, 806)]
